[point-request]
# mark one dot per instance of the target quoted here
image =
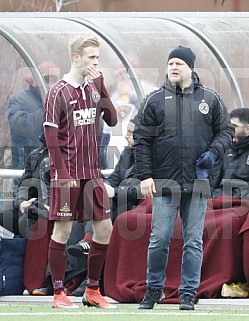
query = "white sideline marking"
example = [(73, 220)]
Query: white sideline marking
[(126, 313)]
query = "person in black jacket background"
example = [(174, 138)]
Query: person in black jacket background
[(31, 193), (234, 173), (232, 182), (122, 184), (184, 128)]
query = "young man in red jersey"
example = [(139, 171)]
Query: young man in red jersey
[(71, 123)]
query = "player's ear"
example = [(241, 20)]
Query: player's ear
[(76, 57)]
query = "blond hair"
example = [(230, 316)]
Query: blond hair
[(79, 43)]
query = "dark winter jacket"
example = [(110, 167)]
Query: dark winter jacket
[(30, 184), (125, 183), (175, 128), (235, 171)]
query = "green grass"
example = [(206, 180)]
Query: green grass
[(124, 312)]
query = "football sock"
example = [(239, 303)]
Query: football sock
[(57, 259), (96, 260)]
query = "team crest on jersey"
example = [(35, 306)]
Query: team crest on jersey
[(95, 96), (203, 107)]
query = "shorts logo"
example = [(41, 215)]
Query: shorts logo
[(203, 107), (64, 211), (95, 96)]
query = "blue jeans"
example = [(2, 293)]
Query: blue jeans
[(164, 213)]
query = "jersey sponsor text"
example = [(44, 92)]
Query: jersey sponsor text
[(84, 116)]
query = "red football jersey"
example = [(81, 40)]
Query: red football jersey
[(75, 109)]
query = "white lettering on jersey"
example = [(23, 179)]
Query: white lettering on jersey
[(73, 102), (84, 116)]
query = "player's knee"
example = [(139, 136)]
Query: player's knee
[(102, 230)]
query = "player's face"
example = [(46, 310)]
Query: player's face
[(90, 58)]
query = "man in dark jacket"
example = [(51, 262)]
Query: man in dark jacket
[(30, 198), (184, 128), (235, 167), (32, 205), (122, 184)]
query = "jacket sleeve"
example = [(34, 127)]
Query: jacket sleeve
[(115, 178), (144, 135), (29, 185), (222, 129), (123, 164), (21, 120), (107, 107)]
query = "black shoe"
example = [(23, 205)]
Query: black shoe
[(151, 297), (79, 249), (187, 302), (80, 289)]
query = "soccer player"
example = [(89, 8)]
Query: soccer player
[(71, 123)]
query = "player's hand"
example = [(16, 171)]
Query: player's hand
[(93, 72)]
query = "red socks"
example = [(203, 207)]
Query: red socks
[(96, 260), (58, 260)]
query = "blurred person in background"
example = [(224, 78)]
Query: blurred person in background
[(25, 115)]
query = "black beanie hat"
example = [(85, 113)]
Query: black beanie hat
[(185, 54)]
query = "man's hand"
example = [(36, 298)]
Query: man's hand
[(46, 207), (110, 190), (206, 160), (25, 204), (148, 188), (93, 72)]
